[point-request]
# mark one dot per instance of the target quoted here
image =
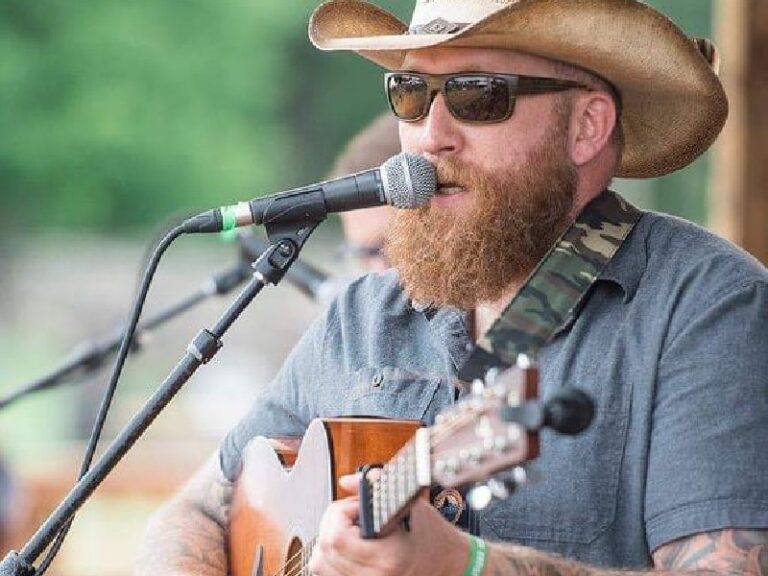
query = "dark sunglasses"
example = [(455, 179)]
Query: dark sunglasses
[(474, 97)]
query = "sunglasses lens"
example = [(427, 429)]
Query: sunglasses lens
[(478, 98), (407, 95)]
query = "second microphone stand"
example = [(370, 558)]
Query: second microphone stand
[(89, 356), (268, 269)]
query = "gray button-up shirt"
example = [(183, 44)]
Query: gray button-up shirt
[(672, 344)]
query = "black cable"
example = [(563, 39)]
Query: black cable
[(156, 235), (117, 369), (88, 357)]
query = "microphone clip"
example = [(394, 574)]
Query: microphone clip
[(287, 240)]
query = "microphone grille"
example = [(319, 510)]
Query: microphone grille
[(409, 180)]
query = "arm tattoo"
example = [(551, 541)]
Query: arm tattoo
[(188, 535), (721, 553), (724, 552)]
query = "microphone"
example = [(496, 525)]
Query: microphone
[(311, 281), (404, 181)]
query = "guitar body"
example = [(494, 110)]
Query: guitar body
[(276, 511)]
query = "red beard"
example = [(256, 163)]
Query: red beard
[(450, 259)]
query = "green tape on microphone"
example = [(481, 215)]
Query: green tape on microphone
[(228, 218)]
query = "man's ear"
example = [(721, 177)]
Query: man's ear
[(593, 118)]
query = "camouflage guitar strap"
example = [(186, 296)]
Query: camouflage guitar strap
[(555, 288)]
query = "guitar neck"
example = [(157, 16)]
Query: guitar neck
[(494, 429), (385, 500)]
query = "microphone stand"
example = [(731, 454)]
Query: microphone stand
[(90, 356), (268, 269), (308, 279)]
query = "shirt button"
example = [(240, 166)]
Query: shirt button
[(377, 380)]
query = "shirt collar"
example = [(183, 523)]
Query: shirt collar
[(451, 327), (628, 265), (625, 270)]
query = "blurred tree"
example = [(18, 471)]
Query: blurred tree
[(116, 114), (336, 94), (683, 193)]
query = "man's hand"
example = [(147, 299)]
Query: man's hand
[(433, 546)]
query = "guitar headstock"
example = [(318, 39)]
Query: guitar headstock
[(490, 430), (495, 428)]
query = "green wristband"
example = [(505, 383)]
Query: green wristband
[(477, 556), (228, 219)]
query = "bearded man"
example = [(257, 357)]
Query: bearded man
[(528, 109)]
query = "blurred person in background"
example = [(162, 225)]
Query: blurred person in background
[(366, 230), (528, 110)]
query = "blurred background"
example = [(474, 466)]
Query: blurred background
[(117, 119)]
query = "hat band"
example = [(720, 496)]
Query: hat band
[(437, 26)]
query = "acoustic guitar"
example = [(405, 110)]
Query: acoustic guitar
[(284, 489)]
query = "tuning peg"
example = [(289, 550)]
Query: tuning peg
[(524, 361), (479, 497), (501, 488), (520, 476), (491, 375)]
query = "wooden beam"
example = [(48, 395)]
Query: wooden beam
[(739, 190)]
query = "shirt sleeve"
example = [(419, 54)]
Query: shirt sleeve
[(285, 406), (708, 454)]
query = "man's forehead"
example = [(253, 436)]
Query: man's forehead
[(453, 59)]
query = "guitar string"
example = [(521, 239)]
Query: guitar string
[(299, 569), (447, 430)]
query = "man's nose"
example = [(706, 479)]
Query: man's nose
[(440, 131)]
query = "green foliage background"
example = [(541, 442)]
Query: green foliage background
[(115, 115)]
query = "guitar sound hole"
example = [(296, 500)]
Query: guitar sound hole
[(297, 558)]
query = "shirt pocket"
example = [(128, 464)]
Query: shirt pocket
[(573, 498), (383, 392)]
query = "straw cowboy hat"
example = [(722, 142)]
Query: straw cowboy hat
[(674, 105)]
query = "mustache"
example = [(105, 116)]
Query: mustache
[(454, 172)]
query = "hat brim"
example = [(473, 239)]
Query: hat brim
[(674, 106)]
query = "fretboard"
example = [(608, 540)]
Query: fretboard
[(397, 486)]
